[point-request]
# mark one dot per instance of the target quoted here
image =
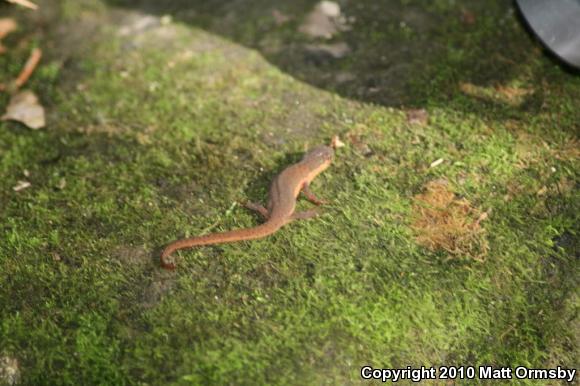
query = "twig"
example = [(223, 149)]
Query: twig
[(28, 68), (24, 3)]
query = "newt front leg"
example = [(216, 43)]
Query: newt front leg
[(310, 196)]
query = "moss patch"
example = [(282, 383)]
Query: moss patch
[(157, 130)]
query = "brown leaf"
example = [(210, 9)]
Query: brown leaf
[(279, 17), (417, 117), (24, 108), (24, 3), (7, 25), (467, 17)]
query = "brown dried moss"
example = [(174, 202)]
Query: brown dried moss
[(444, 222)]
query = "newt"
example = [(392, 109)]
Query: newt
[(284, 191)]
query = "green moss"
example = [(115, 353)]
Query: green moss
[(157, 135)]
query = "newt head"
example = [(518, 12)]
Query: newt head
[(318, 159)]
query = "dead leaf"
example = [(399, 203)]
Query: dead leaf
[(543, 190), (21, 185), (9, 370), (24, 108), (359, 143), (335, 50), (417, 117), (335, 142), (329, 8), (324, 21), (7, 25), (24, 3), (483, 217), (467, 17), (279, 17)]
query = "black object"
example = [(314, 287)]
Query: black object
[(557, 25)]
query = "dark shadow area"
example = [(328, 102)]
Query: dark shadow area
[(392, 53)]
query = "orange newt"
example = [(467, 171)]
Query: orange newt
[(281, 204)]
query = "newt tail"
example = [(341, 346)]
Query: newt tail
[(257, 232), (280, 209)]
